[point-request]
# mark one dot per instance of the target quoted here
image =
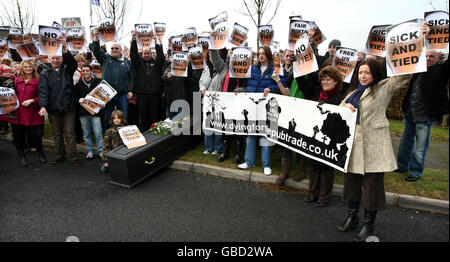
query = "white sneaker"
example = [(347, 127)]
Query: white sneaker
[(267, 171), (215, 153), (90, 155), (243, 166), (206, 152)]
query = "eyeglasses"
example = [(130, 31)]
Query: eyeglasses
[(115, 48)]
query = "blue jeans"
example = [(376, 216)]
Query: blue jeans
[(250, 151), (119, 102), (95, 122), (213, 142), (409, 158)]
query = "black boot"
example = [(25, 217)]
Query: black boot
[(239, 151), (23, 158), (42, 157), (225, 150), (352, 219), (367, 229)]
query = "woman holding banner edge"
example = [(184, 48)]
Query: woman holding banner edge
[(262, 81), (372, 154)]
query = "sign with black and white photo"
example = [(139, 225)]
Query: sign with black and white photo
[(322, 132)]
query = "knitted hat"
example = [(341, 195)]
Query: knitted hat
[(334, 42), (4, 69)]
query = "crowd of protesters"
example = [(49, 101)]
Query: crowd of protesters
[(146, 88)]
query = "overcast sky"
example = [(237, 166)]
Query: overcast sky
[(346, 20)]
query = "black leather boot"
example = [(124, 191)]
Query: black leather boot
[(239, 151), (352, 219), (225, 150), (23, 158), (367, 229)]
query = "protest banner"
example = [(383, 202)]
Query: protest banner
[(241, 62), (344, 61), (180, 64), (98, 97), (219, 36), (71, 22), (305, 62), (76, 40), (318, 36), (376, 42), (92, 28), (439, 24), (8, 100), (296, 29), (266, 34), (189, 38), (238, 36), (275, 48), (406, 51), (60, 27), (50, 40), (205, 41), (322, 132), (96, 69), (28, 50), (196, 56), (107, 30), (144, 35), (222, 17), (4, 53), (160, 30), (131, 136), (176, 44)]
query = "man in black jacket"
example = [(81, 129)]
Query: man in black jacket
[(56, 98), (425, 102), (148, 86)]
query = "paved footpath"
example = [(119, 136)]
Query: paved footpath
[(51, 203)]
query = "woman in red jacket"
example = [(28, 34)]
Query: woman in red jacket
[(26, 118)]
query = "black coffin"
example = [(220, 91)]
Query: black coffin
[(129, 167)]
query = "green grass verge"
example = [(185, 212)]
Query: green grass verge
[(433, 184), (437, 133)]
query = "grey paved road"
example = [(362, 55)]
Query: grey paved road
[(51, 203)]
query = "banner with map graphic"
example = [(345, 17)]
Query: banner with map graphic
[(322, 132)]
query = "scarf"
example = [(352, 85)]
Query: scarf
[(355, 97), (324, 95)]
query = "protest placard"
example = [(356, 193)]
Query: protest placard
[(15, 38), (205, 41), (406, 51), (176, 44), (266, 34), (98, 97), (376, 42), (50, 40), (144, 35), (222, 17), (318, 36), (131, 136), (305, 62), (275, 48), (96, 69), (241, 62), (296, 29), (180, 64), (344, 60), (107, 30), (238, 36), (28, 50), (160, 30), (196, 57), (439, 25), (219, 36), (71, 22), (8, 100), (323, 133), (76, 40), (4, 53)]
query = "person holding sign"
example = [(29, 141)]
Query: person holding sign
[(112, 137), (425, 102), (56, 99), (25, 120), (148, 82), (372, 154), (86, 84), (118, 72), (262, 81)]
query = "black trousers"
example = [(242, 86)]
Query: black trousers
[(20, 134), (149, 107), (368, 187), (321, 178), (64, 123)]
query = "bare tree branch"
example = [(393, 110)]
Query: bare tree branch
[(118, 9), (18, 13)]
